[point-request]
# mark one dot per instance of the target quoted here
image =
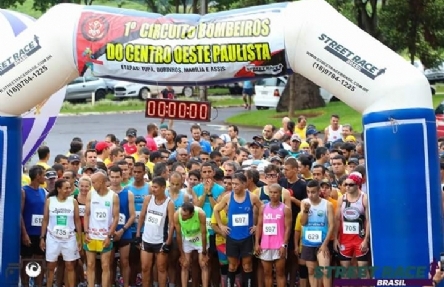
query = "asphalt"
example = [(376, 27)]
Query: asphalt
[(96, 126)]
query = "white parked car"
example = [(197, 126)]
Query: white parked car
[(269, 90), (125, 89)]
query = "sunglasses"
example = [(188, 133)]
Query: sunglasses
[(349, 184)]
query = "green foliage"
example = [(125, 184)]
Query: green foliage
[(416, 25)]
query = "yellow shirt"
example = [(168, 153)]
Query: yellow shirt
[(107, 162), (25, 180), (223, 216), (302, 133), (44, 165), (298, 228)]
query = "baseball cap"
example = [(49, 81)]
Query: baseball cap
[(93, 169), (258, 137), (282, 153), (312, 132), (131, 133), (51, 174), (295, 137), (226, 138), (256, 143), (275, 158), (353, 160), (350, 139), (325, 181), (73, 158), (101, 146)]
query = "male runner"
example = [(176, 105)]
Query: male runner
[(192, 235), (157, 216), (127, 215), (100, 221), (240, 228), (317, 220), (352, 224)]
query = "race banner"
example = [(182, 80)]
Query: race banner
[(182, 48)]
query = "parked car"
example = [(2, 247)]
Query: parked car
[(439, 113), (82, 88), (435, 75), (125, 89), (235, 88), (269, 90)]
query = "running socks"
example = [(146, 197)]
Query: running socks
[(230, 278), (248, 279)]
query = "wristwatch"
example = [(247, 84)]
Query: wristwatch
[(210, 195), (204, 253), (285, 245), (111, 237)]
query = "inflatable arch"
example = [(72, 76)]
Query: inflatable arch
[(308, 37)]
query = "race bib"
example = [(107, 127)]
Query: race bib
[(193, 239), (137, 216), (313, 236), (36, 220), (100, 214), (60, 232), (82, 209), (153, 219), (208, 220), (122, 219), (240, 219), (270, 229), (350, 227)]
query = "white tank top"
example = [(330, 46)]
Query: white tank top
[(61, 219), (101, 217), (334, 135), (156, 222)]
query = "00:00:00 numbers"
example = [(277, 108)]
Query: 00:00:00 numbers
[(177, 110)]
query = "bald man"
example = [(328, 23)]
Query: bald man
[(281, 132), (195, 149), (100, 222)]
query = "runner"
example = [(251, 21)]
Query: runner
[(317, 220), (100, 221), (353, 228), (239, 229), (272, 235), (140, 190), (127, 216), (192, 235), (178, 196), (85, 186), (58, 235), (32, 209), (157, 216)]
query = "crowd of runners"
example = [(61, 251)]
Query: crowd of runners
[(161, 208)]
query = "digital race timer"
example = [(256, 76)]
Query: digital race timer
[(178, 110)]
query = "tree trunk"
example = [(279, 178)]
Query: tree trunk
[(292, 91), (306, 95)]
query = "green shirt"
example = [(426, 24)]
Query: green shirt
[(190, 228)]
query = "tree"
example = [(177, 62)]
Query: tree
[(306, 95), (416, 26)]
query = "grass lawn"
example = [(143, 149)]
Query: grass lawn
[(108, 105), (347, 114)]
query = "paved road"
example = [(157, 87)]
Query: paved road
[(90, 127)]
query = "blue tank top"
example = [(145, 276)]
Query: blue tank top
[(179, 200), (315, 231), (265, 198), (240, 217), (124, 213), (33, 209), (177, 203), (139, 196)]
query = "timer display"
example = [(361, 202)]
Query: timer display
[(178, 110)]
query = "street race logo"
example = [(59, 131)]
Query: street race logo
[(265, 70), (18, 57), (359, 63)]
